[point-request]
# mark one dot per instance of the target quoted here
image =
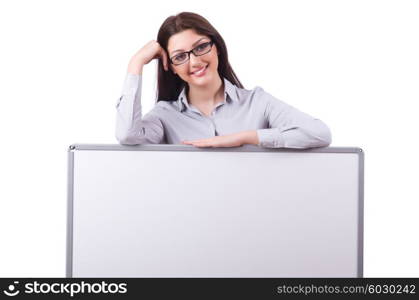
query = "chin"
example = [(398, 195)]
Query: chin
[(201, 81)]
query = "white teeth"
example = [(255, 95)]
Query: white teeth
[(199, 71)]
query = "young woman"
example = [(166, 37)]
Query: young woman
[(200, 100)]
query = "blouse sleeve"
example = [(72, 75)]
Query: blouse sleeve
[(290, 127), (131, 127)]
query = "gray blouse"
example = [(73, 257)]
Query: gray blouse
[(277, 124)]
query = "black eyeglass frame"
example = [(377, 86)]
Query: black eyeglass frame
[(191, 51)]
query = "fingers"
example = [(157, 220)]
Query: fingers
[(199, 143), (193, 142), (164, 59)]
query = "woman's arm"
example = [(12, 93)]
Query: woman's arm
[(290, 127), (131, 128)]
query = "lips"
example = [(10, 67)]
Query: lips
[(199, 71)]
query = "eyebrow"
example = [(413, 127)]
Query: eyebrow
[(173, 52)]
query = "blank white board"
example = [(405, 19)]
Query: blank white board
[(181, 211)]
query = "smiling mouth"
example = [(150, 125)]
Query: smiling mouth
[(198, 72)]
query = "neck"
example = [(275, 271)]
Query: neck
[(207, 94)]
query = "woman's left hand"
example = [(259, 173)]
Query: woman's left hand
[(230, 140)]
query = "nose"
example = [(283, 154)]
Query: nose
[(194, 61)]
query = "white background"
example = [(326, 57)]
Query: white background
[(352, 64)]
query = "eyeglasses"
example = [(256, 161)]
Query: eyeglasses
[(199, 50)]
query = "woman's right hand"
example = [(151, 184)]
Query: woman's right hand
[(147, 53)]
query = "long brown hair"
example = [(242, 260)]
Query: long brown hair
[(169, 85)]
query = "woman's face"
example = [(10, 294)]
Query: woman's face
[(186, 41)]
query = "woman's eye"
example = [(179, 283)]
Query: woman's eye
[(202, 47), (180, 57)]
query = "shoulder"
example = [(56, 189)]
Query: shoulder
[(255, 94), (166, 105), (161, 113), (162, 108), (260, 92), (261, 100), (266, 97)]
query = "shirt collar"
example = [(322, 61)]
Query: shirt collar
[(229, 91)]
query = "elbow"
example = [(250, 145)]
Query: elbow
[(318, 134), (324, 136), (121, 140), (126, 139)]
